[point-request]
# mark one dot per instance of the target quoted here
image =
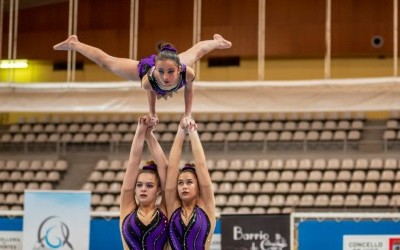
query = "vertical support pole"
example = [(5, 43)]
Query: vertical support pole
[(261, 40), (327, 69), (15, 31), (10, 38), (197, 30), (1, 26), (72, 29), (395, 38), (133, 31)]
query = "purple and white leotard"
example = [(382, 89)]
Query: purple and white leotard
[(150, 237), (192, 236)]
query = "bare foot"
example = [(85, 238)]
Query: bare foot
[(67, 44), (223, 43)]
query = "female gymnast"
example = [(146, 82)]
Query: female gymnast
[(143, 222), (161, 74), (189, 194)]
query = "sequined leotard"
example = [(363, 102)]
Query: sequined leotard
[(145, 64), (150, 237), (190, 237), (144, 68)]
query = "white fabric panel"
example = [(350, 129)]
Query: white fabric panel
[(366, 94)]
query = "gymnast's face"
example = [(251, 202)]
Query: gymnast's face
[(146, 189), (187, 186), (167, 73)]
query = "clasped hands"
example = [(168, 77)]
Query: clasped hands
[(188, 124), (149, 120)]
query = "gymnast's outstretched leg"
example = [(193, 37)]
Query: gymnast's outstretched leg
[(195, 53), (122, 67)]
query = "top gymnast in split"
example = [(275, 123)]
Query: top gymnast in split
[(161, 74)]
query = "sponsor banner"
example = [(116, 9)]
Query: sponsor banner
[(370, 242), (365, 234), (394, 243), (56, 220), (255, 232), (10, 240)]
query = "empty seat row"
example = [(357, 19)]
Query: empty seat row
[(308, 187), (27, 176), (11, 199), (34, 165), (305, 175), (250, 126), (4, 207), (92, 118), (308, 200), (333, 163), (105, 199), (285, 136), (116, 165), (20, 187), (79, 118), (253, 210), (71, 128), (306, 164), (64, 138), (107, 176), (203, 117), (272, 187), (175, 117), (264, 204), (103, 187), (281, 125), (104, 138)]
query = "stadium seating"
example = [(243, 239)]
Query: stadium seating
[(318, 163)]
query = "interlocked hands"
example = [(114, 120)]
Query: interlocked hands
[(188, 124)]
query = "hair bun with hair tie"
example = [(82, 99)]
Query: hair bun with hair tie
[(150, 166), (168, 47), (188, 166)]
